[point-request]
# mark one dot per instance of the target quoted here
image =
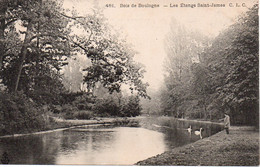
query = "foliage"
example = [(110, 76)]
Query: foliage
[(132, 107), (38, 38), (152, 106), (201, 89), (83, 102), (183, 48), (113, 65), (223, 78), (20, 114), (43, 35), (109, 105), (73, 105), (237, 58), (83, 114), (72, 77), (118, 105), (38, 58)]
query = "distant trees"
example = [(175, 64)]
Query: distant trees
[(152, 106), (223, 77), (117, 104), (201, 90), (73, 74), (182, 48)]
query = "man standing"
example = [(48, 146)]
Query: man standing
[(226, 123)]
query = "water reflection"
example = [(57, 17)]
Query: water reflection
[(103, 145), (176, 131), (122, 146), (37, 149), (113, 146)]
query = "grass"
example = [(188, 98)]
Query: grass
[(239, 148)]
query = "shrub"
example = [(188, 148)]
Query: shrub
[(83, 102), (132, 107), (117, 105), (83, 115), (68, 111), (107, 106), (56, 109), (19, 114)]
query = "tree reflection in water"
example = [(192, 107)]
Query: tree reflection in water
[(103, 145)]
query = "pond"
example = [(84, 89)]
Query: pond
[(104, 144)]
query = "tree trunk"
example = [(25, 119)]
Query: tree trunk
[(3, 9), (205, 107), (205, 111), (23, 54)]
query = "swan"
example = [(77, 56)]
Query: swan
[(198, 132), (189, 129)]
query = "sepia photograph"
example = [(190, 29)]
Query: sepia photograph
[(129, 82)]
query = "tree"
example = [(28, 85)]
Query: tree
[(233, 61), (42, 26), (73, 74), (112, 62), (152, 106), (132, 108), (117, 104), (183, 48), (49, 36), (9, 11), (201, 88)]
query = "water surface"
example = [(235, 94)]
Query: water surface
[(103, 145), (93, 146)]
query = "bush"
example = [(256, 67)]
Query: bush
[(56, 109), (19, 114), (132, 107), (107, 106), (83, 102), (117, 105), (44, 97), (68, 111), (83, 115)]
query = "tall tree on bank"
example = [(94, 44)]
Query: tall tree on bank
[(8, 15), (223, 78), (233, 59), (182, 47), (111, 56), (40, 32), (46, 38)]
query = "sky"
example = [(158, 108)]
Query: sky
[(147, 28)]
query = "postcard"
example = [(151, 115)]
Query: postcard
[(129, 82)]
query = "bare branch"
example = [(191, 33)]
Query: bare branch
[(11, 21), (70, 17)]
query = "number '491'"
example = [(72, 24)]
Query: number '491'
[(110, 5)]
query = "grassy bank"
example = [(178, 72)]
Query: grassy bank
[(239, 148)]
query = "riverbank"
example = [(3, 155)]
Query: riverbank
[(239, 148), (58, 124)]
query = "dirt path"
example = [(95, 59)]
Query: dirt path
[(239, 148)]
